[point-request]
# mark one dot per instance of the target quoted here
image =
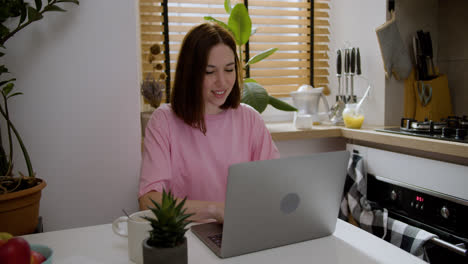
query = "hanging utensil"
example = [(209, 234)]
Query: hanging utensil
[(336, 111), (346, 69), (352, 73)]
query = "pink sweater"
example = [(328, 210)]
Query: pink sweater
[(182, 159)]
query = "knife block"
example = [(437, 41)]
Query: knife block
[(438, 107)]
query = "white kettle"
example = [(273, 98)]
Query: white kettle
[(306, 99)]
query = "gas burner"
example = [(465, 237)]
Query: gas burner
[(452, 128), (431, 127)]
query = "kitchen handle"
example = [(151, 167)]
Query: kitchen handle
[(346, 59), (353, 61), (338, 62), (449, 246), (358, 62)]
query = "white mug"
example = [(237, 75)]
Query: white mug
[(137, 231)]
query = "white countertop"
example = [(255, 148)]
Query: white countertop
[(348, 245)]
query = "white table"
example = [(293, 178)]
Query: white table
[(348, 245)]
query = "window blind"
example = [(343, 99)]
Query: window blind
[(282, 24)]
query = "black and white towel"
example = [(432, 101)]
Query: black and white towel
[(374, 219)]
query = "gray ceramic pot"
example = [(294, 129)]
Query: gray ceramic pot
[(176, 255)]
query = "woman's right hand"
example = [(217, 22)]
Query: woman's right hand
[(213, 211)]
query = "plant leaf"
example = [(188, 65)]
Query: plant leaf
[(246, 80), (281, 105), (261, 56), (53, 8), (15, 94), (24, 13), (240, 24), (68, 1), (7, 89), (33, 15), (255, 95), (38, 4), (219, 22), (7, 81), (3, 69), (227, 6), (4, 30)]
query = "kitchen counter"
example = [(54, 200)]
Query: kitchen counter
[(287, 131), (347, 245)]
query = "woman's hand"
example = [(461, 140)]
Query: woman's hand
[(213, 211), (204, 211)]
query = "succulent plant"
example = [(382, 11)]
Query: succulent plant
[(170, 222)]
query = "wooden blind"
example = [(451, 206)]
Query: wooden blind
[(284, 24)]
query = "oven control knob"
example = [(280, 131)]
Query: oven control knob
[(393, 195), (445, 212)]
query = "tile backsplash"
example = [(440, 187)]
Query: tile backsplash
[(453, 50)]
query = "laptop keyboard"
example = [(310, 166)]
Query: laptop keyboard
[(216, 239)]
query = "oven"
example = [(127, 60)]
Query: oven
[(425, 193)]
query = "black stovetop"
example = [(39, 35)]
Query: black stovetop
[(437, 136)]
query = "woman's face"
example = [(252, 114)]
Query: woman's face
[(220, 76)]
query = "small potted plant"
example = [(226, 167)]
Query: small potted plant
[(19, 195), (167, 242)]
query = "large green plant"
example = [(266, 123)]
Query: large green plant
[(240, 25), (14, 16)]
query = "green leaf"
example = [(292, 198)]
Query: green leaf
[(281, 105), (54, 8), (7, 81), (227, 6), (68, 1), (240, 24), (15, 94), (255, 95), (246, 80), (4, 30), (33, 15), (24, 13), (219, 22), (7, 89), (38, 4), (261, 56), (1, 54), (3, 69)]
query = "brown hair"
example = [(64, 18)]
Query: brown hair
[(187, 94)]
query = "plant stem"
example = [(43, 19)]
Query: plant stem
[(20, 141), (241, 62), (10, 142)]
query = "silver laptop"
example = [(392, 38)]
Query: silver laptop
[(278, 202)]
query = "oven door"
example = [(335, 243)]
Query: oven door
[(420, 208)]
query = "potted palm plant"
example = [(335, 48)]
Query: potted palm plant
[(167, 242), (19, 195), (240, 25)]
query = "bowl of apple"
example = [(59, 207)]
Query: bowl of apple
[(18, 251)]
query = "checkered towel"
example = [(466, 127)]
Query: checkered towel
[(367, 215)]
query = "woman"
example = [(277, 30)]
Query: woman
[(190, 144)]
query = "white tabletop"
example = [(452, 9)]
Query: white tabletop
[(348, 245)]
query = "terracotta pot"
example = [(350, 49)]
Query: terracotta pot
[(175, 255), (19, 211)]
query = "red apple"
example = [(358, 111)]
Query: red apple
[(36, 257), (15, 251)]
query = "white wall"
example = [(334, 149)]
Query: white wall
[(79, 115), (355, 22)]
